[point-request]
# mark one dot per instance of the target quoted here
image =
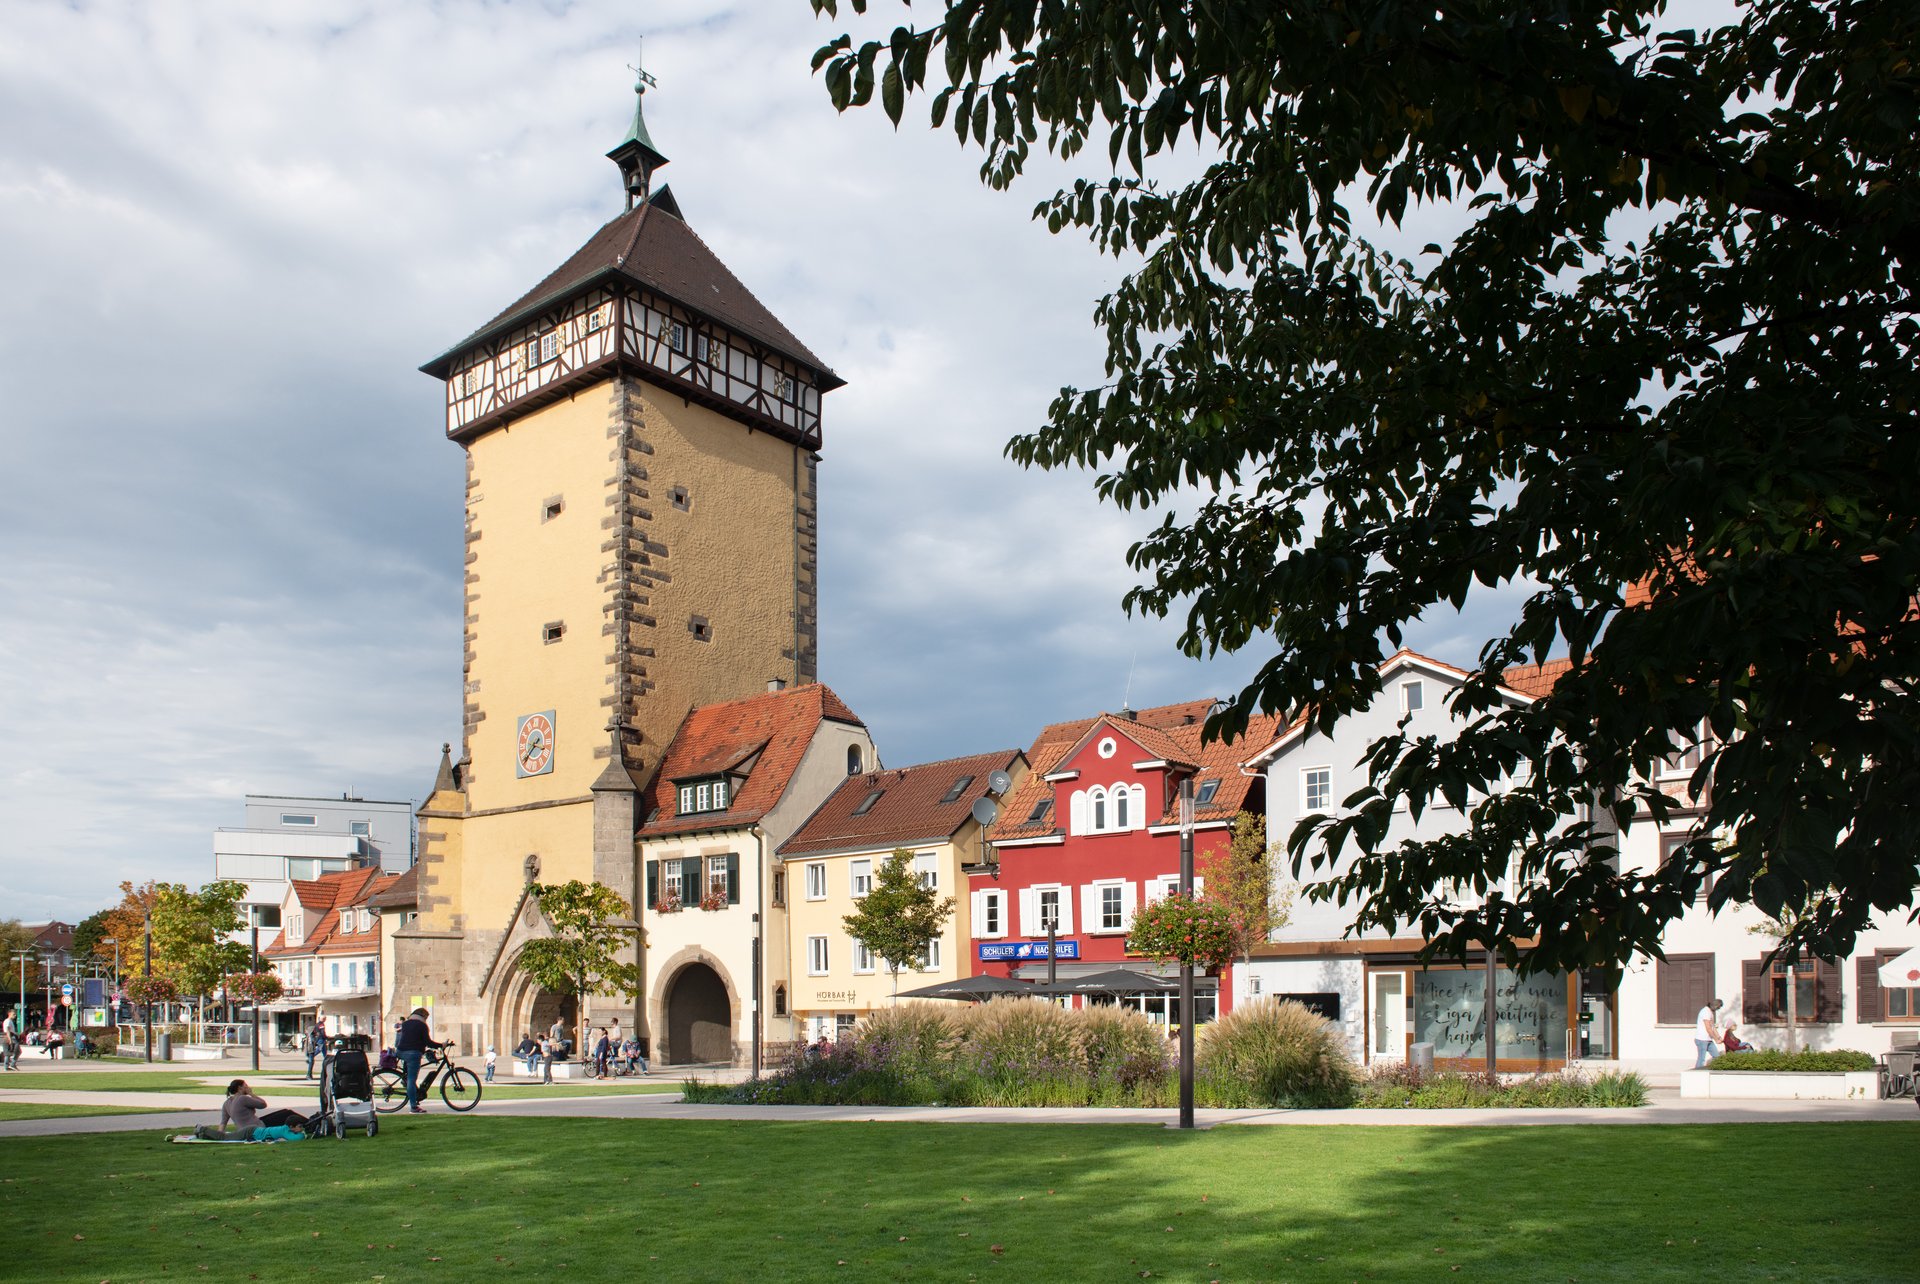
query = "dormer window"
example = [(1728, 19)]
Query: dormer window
[(704, 796), (1107, 809)]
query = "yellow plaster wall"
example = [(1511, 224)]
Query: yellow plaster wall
[(729, 557), (528, 573), (842, 989)]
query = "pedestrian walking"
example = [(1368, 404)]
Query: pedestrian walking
[(1706, 1034), (10, 1044), (316, 1040), (492, 1056), (548, 1050)]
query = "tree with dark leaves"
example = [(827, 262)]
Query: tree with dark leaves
[(1658, 375)]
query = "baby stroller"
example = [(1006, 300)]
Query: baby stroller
[(346, 1091)]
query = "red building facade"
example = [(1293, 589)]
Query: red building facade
[(1093, 834)]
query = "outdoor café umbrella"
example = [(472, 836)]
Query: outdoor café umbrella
[(970, 987), (1903, 971), (1117, 980)]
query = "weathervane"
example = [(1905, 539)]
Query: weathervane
[(642, 81)]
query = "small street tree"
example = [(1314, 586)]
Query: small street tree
[(899, 917), (1240, 879), (191, 930), (591, 924), (1782, 929)]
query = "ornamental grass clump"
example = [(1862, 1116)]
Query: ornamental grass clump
[(1273, 1053), (1020, 1039), (923, 1039)]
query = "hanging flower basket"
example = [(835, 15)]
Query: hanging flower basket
[(669, 903), (254, 987), (152, 989), (1185, 929), (716, 897)]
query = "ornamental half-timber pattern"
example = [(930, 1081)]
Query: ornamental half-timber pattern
[(613, 329)]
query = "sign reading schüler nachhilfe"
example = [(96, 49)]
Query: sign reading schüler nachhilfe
[(1002, 950)]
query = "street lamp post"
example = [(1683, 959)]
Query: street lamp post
[(147, 1007), (1186, 965), (20, 1018), (114, 941)]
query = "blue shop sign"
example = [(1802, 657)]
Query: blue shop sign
[(1004, 951)]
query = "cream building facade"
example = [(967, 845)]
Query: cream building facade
[(641, 438), (937, 811)]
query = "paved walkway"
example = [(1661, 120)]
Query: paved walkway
[(188, 1109)]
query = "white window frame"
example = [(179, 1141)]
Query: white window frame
[(816, 881), (1308, 786), (990, 913), (670, 881), (298, 820), (863, 958), (859, 877), (818, 959), (926, 868), (930, 957), (1113, 907), (1093, 896), (1413, 696)]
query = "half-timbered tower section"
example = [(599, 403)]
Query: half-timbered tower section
[(641, 437)]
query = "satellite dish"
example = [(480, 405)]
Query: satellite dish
[(984, 811), (998, 782)]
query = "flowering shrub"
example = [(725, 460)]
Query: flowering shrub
[(1397, 1085), (152, 989), (254, 987), (1187, 929)]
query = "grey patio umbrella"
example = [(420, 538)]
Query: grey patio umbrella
[(1117, 980), (969, 987)]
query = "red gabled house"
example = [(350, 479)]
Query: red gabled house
[(1093, 834)]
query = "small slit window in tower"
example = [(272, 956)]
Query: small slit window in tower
[(596, 319), (779, 1000), (531, 353), (701, 629), (680, 498), (553, 632), (783, 387), (552, 508)]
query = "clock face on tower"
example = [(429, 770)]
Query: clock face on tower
[(533, 755)]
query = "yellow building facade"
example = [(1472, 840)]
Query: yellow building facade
[(641, 518)]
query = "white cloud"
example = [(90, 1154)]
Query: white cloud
[(230, 232)]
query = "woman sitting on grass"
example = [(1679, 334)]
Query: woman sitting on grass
[(241, 1120)]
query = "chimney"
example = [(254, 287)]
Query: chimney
[(776, 684)]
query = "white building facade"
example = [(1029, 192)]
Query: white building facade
[(286, 838)]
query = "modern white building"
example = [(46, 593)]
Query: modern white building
[(287, 838)]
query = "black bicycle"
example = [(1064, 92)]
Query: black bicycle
[(459, 1086)]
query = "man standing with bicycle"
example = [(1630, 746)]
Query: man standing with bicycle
[(411, 1043)]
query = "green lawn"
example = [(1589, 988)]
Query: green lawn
[(165, 1080), (469, 1197), (47, 1110)]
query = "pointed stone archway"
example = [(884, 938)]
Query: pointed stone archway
[(699, 1017)]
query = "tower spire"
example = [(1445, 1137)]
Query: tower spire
[(635, 154)]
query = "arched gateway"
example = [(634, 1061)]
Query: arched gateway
[(699, 1017)]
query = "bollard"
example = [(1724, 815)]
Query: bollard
[(166, 1047), (1420, 1057)]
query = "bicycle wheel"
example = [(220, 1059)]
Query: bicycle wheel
[(389, 1091), (460, 1088)]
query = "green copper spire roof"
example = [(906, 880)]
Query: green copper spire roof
[(635, 154)]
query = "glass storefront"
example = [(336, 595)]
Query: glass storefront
[(1530, 1015)]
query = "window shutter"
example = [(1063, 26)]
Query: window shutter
[(733, 878), (1089, 905), (1670, 1001), (1140, 818), (1129, 898), (1030, 913), (653, 883), (1756, 1003), (1866, 979), (693, 884), (1066, 912), (976, 907), (1828, 1000), (1077, 812)]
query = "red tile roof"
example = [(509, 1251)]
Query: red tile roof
[(765, 734), (1536, 680), (329, 896), (912, 806), (1170, 732)]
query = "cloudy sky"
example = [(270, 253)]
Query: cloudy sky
[(230, 534)]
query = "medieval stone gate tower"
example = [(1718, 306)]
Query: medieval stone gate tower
[(641, 537)]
